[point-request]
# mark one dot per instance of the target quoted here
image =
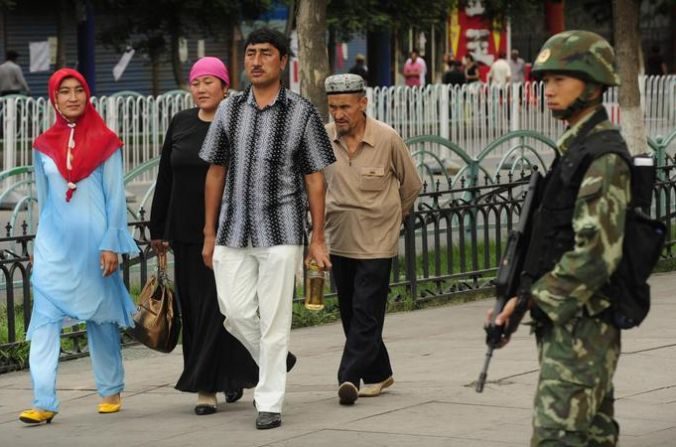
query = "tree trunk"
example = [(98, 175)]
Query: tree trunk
[(312, 55), (235, 57), (176, 64), (155, 72), (627, 41), (66, 10)]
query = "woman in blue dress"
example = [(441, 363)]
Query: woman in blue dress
[(81, 231)]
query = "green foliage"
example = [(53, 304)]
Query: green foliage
[(348, 17), (303, 317), (148, 27)]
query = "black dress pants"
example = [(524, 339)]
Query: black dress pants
[(362, 286)]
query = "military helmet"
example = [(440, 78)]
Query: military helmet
[(580, 53)]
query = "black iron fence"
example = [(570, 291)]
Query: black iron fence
[(450, 244)]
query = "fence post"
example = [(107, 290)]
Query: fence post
[(370, 105), (111, 113), (9, 129), (515, 123), (409, 254), (444, 123)]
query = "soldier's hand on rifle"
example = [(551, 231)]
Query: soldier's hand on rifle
[(502, 319)]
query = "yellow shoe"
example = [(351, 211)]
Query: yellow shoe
[(36, 416), (374, 389), (110, 407)]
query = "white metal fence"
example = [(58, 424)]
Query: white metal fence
[(473, 115), (470, 115), (140, 121)]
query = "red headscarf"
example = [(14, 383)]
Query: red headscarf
[(90, 140)]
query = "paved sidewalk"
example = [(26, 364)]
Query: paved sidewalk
[(436, 354)]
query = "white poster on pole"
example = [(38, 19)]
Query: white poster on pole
[(39, 56), (200, 48), (121, 66), (182, 49), (53, 46)]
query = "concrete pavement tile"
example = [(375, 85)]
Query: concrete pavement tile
[(664, 438), (436, 353), (660, 395), (333, 438), (645, 409), (634, 426), (440, 419)]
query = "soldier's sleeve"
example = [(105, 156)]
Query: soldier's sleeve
[(598, 224)]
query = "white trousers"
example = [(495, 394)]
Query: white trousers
[(255, 292)]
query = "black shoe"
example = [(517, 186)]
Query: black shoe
[(267, 420), (233, 396), (290, 361), (348, 393), (204, 409)]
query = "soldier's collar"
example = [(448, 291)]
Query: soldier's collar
[(566, 140)]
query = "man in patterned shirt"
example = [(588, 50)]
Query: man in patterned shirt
[(267, 147), (578, 231)]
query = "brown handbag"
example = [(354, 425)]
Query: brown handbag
[(157, 322)]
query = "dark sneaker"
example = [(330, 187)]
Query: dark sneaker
[(347, 393), (290, 361), (267, 420)]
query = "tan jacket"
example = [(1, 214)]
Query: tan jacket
[(368, 193)]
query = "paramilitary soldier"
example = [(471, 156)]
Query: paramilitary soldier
[(578, 230)]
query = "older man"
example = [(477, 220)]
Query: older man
[(372, 185)]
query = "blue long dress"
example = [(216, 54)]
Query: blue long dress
[(67, 280)]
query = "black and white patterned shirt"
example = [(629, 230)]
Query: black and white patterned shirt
[(267, 152)]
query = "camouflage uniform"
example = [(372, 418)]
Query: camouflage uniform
[(578, 351)]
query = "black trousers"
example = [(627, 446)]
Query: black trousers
[(362, 286)]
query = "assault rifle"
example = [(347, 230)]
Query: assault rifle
[(511, 280)]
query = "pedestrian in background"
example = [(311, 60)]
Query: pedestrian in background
[(517, 67), (213, 360), (414, 70), (82, 229), (12, 81), (267, 147), (500, 72), (359, 67), (371, 188), (455, 75), (471, 69)]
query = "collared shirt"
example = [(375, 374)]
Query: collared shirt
[(499, 73), (598, 223), (267, 153), (11, 78), (367, 192), (517, 69)]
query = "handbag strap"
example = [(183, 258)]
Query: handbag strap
[(162, 267)]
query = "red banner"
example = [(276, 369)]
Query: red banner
[(469, 31)]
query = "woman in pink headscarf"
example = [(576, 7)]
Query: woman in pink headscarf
[(213, 360)]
